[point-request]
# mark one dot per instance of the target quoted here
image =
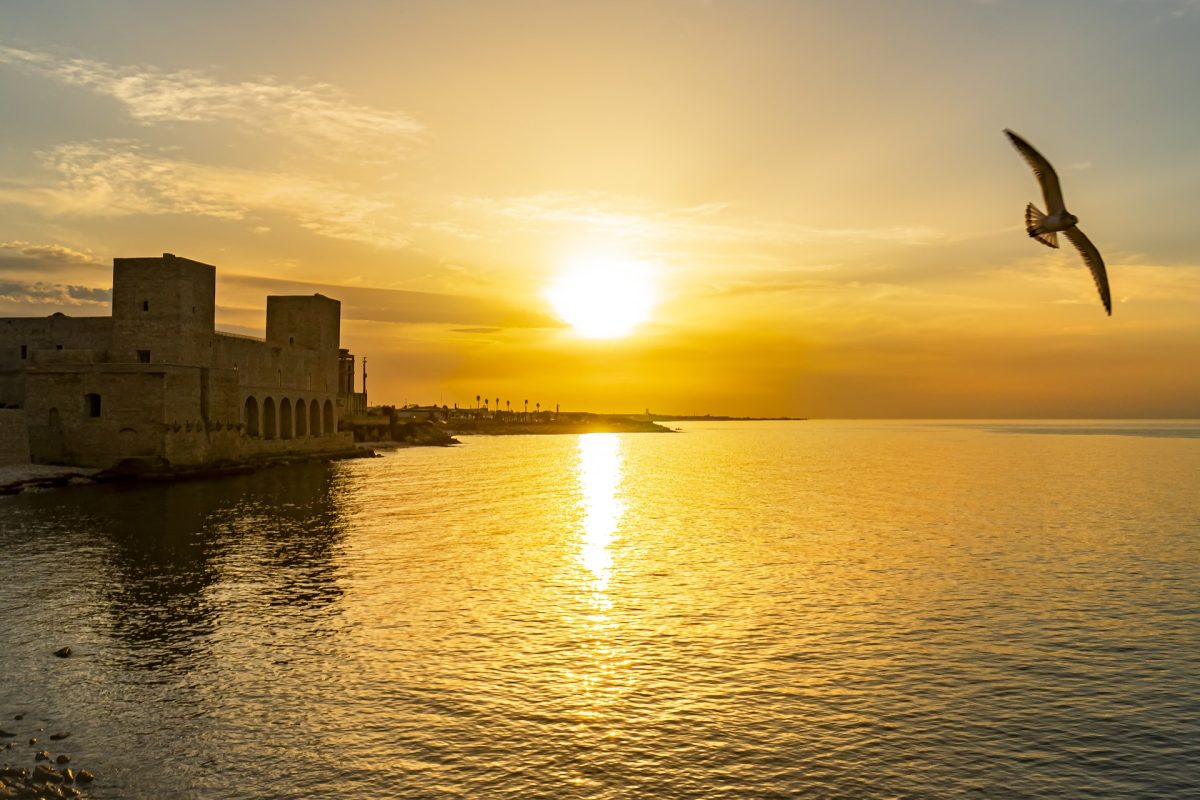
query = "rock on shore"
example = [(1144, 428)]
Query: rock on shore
[(16, 478)]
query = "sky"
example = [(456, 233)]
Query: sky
[(818, 194)]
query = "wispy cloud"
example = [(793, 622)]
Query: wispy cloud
[(371, 304), (122, 178), (44, 253), (319, 114), (702, 223), (37, 293)]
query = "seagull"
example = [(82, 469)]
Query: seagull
[(1046, 227)]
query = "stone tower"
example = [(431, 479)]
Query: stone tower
[(163, 310), (312, 322)]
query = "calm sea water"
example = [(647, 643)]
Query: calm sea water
[(816, 609)]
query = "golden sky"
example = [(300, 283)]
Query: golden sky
[(819, 193)]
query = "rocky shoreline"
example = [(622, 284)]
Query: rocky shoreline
[(15, 479), (50, 776)]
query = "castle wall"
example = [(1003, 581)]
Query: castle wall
[(65, 427), (157, 381), (166, 306), (23, 339), (14, 437)]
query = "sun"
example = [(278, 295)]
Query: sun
[(604, 297)]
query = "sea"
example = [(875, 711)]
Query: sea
[(807, 609)]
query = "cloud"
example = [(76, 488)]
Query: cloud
[(117, 178), (32, 260), (318, 114), (370, 304), (23, 293), (55, 253), (700, 224)]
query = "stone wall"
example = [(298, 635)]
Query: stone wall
[(157, 381), (14, 437), (165, 306), (95, 415), (23, 340)]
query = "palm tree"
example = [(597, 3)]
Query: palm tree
[(477, 402), (508, 407), (527, 411), (539, 409)]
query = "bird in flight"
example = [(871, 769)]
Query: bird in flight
[(1046, 227)]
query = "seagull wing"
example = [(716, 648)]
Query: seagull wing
[(1091, 257), (1045, 173)]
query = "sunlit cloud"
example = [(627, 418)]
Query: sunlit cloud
[(43, 253), (380, 305), (713, 222), (17, 294), (319, 114), (121, 178)]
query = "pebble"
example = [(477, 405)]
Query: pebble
[(63, 652), (47, 773), (49, 779)]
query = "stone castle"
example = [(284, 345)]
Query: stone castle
[(156, 382)]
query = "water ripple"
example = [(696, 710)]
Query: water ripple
[(866, 610)]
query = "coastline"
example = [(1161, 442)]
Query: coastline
[(17, 478), (488, 427)]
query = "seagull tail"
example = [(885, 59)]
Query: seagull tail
[(1033, 226)]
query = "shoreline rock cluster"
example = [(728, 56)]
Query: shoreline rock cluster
[(40, 477), (50, 777), (17, 478)]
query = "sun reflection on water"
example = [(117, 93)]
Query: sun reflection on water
[(600, 475), (600, 482)]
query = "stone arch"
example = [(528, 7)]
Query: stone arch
[(270, 427), (314, 418), (250, 416), (301, 419), (285, 419), (328, 424)]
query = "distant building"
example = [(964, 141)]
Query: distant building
[(355, 402), (157, 381)]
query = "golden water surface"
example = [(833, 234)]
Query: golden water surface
[(816, 609)]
